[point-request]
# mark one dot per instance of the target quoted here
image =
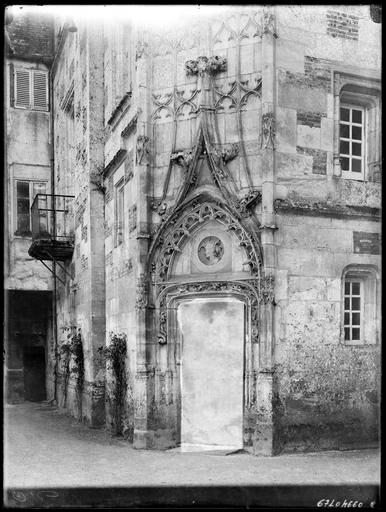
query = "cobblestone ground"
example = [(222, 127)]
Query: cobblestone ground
[(44, 448)]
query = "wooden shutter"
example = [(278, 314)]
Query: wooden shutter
[(40, 90), (22, 88), (12, 85)]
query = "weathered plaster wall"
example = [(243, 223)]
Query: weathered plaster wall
[(327, 393), (28, 158)]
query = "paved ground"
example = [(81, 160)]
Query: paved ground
[(46, 449)]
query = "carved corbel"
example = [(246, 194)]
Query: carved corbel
[(183, 158), (269, 133), (159, 206), (143, 150)]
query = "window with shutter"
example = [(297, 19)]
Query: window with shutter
[(39, 90), (31, 89), (22, 88)]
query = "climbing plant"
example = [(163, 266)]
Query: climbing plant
[(76, 348), (64, 354), (71, 351), (115, 356)]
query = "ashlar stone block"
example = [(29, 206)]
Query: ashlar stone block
[(290, 55), (308, 137), (286, 140)]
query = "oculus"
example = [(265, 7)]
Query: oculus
[(210, 250)]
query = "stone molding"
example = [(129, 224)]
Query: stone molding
[(247, 289), (131, 125), (122, 106), (309, 207), (117, 159)]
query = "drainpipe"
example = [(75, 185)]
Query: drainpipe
[(52, 161)]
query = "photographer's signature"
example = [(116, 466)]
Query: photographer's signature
[(332, 503)]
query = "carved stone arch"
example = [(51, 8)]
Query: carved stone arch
[(185, 221)]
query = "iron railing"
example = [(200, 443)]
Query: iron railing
[(52, 217)]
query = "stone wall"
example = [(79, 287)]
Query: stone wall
[(313, 43), (328, 391), (79, 136), (142, 106)]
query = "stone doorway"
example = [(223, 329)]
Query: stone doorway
[(212, 332)]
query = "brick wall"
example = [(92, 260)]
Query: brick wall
[(342, 25), (31, 36), (312, 119), (319, 159)]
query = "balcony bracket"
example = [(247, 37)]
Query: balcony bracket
[(52, 257), (52, 272)]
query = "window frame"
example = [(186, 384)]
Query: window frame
[(349, 174), (119, 213), (31, 196), (31, 91), (359, 88), (368, 276), (352, 279)]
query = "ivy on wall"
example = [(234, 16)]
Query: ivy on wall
[(71, 353), (115, 357)]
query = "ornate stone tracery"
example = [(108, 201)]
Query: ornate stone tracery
[(189, 222), (238, 94), (246, 290)]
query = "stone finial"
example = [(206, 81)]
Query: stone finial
[(143, 149), (201, 65), (269, 132), (268, 21)]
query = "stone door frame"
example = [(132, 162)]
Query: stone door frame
[(167, 304)]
